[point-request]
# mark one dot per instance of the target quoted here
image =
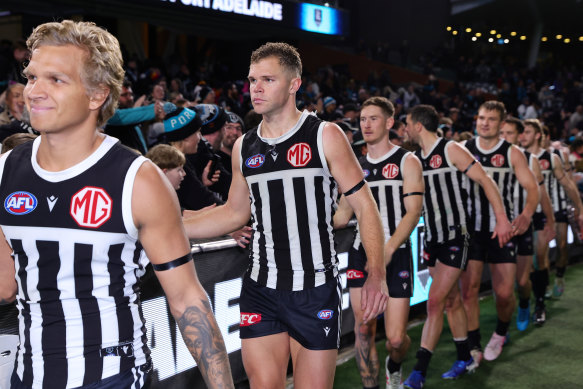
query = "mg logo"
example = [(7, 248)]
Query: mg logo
[(497, 160), (390, 171), (91, 207), (435, 161), (544, 164), (299, 154)]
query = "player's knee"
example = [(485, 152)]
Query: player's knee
[(264, 378), (435, 306), (504, 295), (453, 303), (395, 341)]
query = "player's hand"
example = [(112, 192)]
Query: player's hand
[(548, 232), (242, 236), (374, 296), (520, 224), (503, 230)]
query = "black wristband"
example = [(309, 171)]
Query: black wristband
[(172, 264), (355, 188), (542, 182)]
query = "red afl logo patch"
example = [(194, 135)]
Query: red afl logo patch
[(435, 161), (544, 164), (390, 171), (497, 160), (91, 207), (299, 154), (248, 319)]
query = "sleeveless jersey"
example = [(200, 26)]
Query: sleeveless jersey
[(445, 199), (520, 192), (293, 199), (496, 163), (78, 264), (384, 176), (556, 191)]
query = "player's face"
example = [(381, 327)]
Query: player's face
[(231, 132), (509, 133), (55, 94), (410, 131), (175, 176), (529, 137), (488, 123), (374, 125), (271, 86)]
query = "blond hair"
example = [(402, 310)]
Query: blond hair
[(166, 157), (103, 67)]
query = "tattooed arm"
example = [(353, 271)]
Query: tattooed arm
[(7, 273), (157, 216)]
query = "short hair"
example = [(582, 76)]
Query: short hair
[(11, 87), (166, 156), (534, 123), (17, 139), (288, 56), (103, 66), (516, 122), (494, 105), (383, 103), (426, 115), (465, 135)]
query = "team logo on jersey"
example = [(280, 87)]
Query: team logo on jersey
[(404, 274), (390, 171), (299, 154), (20, 203), (497, 160), (455, 249), (544, 164), (255, 161), (248, 319), (435, 161), (354, 274), (91, 207), (366, 172), (325, 314)]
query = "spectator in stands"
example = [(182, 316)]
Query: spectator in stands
[(204, 95), (231, 131), (328, 111), (576, 118), (14, 104), (229, 100), (171, 161), (15, 140), (351, 114)]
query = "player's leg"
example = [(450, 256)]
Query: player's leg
[(265, 360), (313, 369), (562, 258), (398, 342), (540, 280), (366, 355), (470, 281), (523, 270)]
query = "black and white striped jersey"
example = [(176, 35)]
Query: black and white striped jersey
[(520, 192), (544, 158), (445, 199), (384, 176), (293, 199), (556, 190), (78, 263), (497, 164)]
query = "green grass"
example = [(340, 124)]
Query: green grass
[(547, 357)]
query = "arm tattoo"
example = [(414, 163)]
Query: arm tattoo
[(205, 343)]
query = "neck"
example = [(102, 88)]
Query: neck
[(534, 149), (380, 148), (277, 123), (59, 151), (426, 140), (487, 143)]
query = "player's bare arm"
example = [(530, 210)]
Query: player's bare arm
[(7, 273), (232, 215), (464, 161), (164, 240), (413, 189), (348, 174), (569, 186), (528, 182), (343, 213), (549, 232)]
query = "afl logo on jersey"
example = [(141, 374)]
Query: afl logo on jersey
[(91, 207), (255, 161), (544, 164), (435, 161), (299, 154), (366, 172), (20, 203), (325, 314), (390, 171), (497, 160)]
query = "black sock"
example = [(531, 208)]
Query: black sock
[(423, 357), (463, 349), (545, 277), (538, 285), (523, 303), (393, 366), (560, 271), (370, 387), (502, 327), (474, 338)]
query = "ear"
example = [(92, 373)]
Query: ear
[(97, 99), (390, 123), (295, 85), (164, 171)]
